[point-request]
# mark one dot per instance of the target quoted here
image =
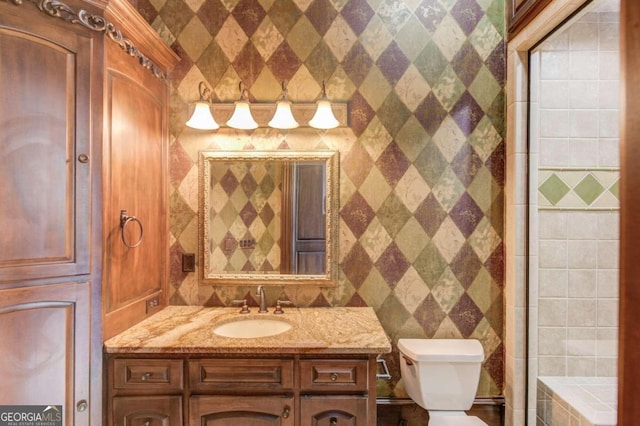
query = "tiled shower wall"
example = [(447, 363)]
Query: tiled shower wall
[(421, 164), (575, 107)]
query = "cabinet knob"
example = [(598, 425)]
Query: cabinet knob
[(333, 421), (334, 377), (83, 158), (82, 405), (286, 412), (146, 376)]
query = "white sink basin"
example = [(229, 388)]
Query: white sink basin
[(247, 328)]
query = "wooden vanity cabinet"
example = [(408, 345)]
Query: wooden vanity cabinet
[(231, 391)]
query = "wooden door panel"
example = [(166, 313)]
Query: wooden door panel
[(334, 411), (147, 411), (44, 347), (44, 117), (136, 153), (241, 411)]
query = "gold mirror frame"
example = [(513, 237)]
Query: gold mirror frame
[(331, 161)]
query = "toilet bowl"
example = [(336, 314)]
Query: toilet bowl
[(441, 376)]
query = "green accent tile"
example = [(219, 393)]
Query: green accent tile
[(554, 189), (393, 113), (589, 189), (431, 63), (448, 189), (483, 290), (321, 63), (430, 163), (485, 37), (430, 264), (412, 138), (375, 188), (412, 38), (394, 314), (303, 38), (375, 88), (495, 13), (195, 38), (447, 290), (496, 113), (375, 138), (484, 88), (213, 63), (284, 15), (375, 38), (448, 88), (393, 214), (615, 189), (374, 290), (483, 189), (485, 138), (181, 214), (411, 239), (375, 239), (266, 39)]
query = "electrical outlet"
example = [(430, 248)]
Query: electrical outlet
[(247, 243), (153, 303), (188, 262)]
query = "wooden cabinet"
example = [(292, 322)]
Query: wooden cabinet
[(334, 410), (148, 410), (291, 390), (241, 410), (49, 290), (77, 112), (521, 12), (135, 158)]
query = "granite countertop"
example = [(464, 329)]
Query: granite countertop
[(188, 329)]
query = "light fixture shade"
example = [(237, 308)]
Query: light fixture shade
[(324, 118), (283, 117), (201, 118), (242, 118)]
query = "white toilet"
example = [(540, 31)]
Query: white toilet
[(441, 376)]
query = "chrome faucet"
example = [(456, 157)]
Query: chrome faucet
[(263, 300)]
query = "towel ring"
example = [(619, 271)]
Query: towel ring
[(124, 221)]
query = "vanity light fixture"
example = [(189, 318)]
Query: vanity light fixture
[(202, 118), (283, 117), (324, 117), (242, 117), (282, 114)]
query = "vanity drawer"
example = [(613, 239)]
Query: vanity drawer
[(334, 375), (163, 375), (218, 375)]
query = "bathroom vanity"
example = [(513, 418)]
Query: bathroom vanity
[(172, 369)]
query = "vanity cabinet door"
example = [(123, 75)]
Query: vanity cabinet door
[(241, 410), (147, 411), (334, 410), (45, 171)]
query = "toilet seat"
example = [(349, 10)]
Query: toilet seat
[(456, 421)]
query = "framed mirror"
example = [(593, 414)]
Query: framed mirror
[(268, 217)]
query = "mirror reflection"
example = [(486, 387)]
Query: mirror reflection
[(268, 216)]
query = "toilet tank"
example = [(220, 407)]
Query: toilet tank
[(441, 374)]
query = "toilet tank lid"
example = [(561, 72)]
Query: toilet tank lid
[(451, 350)]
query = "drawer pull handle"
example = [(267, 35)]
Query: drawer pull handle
[(147, 423), (82, 405), (286, 412), (146, 376), (334, 377)]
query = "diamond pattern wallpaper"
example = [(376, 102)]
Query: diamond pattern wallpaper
[(422, 161)]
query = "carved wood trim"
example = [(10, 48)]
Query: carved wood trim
[(94, 22)]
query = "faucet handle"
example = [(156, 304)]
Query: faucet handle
[(279, 304), (243, 302)]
